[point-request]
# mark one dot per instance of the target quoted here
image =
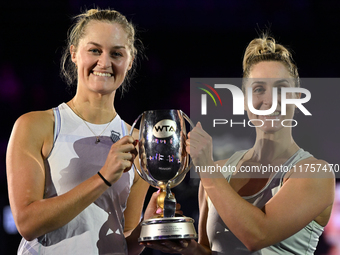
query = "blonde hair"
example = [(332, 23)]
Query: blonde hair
[(77, 31), (266, 49)]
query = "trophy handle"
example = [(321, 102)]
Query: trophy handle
[(134, 123), (144, 177), (188, 119), (179, 178)]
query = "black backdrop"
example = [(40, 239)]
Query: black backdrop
[(183, 39)]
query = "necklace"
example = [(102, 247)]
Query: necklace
[(82, 118)]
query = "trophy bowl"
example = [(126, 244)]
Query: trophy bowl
[(164, 163)]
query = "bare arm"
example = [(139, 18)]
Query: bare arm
[(202, 224), (135, 204), (133, 214), (298, 202), (29, 145), (202, 247), (134, 208)]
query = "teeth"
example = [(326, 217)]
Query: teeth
[(274, 113), (102, 74)]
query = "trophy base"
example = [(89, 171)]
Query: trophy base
[(167, 228)]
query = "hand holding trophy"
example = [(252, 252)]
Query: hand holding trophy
[(164, 163)]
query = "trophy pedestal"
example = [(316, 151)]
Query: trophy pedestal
[(167, 228)]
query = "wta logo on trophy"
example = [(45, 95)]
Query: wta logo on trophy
[(164, 128)]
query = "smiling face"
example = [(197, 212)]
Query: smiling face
[(263, 77), (103, 57)]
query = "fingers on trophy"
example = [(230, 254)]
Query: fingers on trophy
[(164, 163)]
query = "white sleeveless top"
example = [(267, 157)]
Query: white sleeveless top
[(75, 157), (223, 241)]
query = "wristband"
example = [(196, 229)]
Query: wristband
[(106, 182)]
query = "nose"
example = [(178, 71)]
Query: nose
[(269, 96), (104, 61)]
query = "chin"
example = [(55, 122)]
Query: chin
[(104, 88), (270, 129)]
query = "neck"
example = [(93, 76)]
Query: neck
[(274, 147), (97, 109)]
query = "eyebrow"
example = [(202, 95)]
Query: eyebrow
[(98, 45), (281, 81), (275, 83)]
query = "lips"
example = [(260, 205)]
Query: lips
[(276, 113), (102, 74)]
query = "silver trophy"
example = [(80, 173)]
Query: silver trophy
[(164, 163)]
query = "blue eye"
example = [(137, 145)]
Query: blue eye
[(258, 90), (117, 54), (94, 51)]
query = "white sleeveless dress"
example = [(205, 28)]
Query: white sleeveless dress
[(75, 157)]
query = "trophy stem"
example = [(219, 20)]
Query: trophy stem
[(169, 203)]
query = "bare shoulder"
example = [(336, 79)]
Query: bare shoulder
[(36, 123), (315, 179), (312, 168), (36, 118), (34, 128)]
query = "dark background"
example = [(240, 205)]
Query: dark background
[(183, 39)]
